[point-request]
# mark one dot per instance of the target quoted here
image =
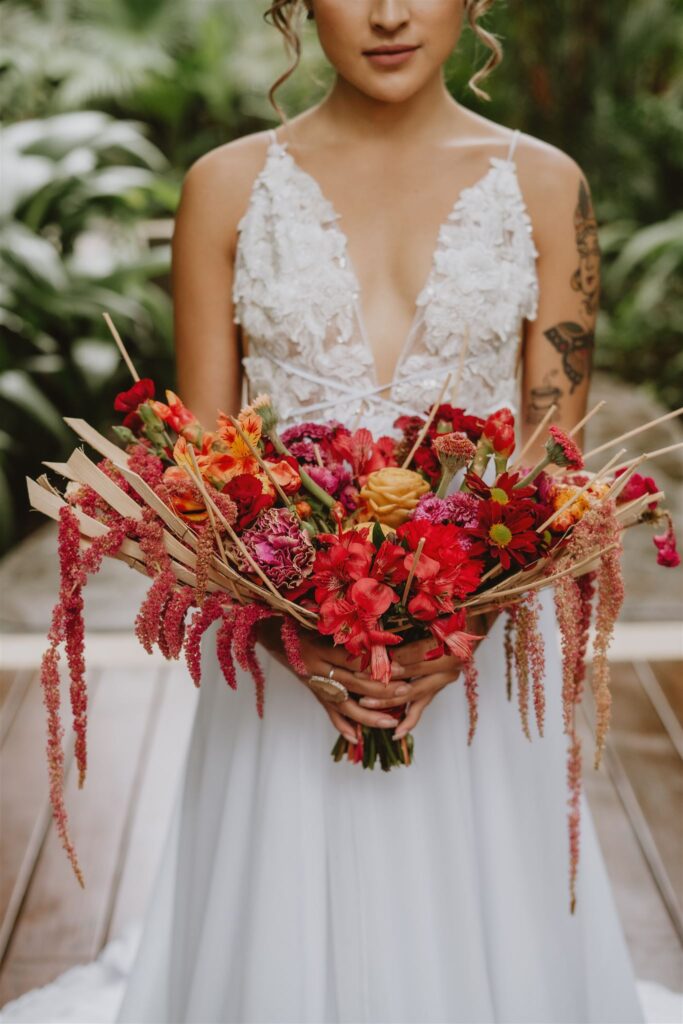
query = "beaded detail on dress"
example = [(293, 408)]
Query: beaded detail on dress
[(296, 296)]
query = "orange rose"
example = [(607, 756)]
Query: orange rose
[(286, 475), (391, 494)]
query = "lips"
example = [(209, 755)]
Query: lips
[(388, 49)]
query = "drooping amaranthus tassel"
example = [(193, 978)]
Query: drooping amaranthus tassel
[(173, 624), (536, 658), (204, 553), (610, 599), (203, 618), (600, 528), (471, 677), (509, 648), (586, 586), (67, 627), (291, 642), (71, 596), (149, 620), (244, 646), (574, 782), (224, 640), (569, 613), (522, 667)]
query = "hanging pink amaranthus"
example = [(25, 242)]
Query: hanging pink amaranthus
[(173, 625), (471, 677), (67, 628), (291, 642), (247, 617), (211, 610)]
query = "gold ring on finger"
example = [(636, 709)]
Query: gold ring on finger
[(328, 688)]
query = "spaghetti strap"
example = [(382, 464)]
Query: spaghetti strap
[(513, 144)]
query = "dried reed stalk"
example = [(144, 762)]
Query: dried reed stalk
[(430, 419)]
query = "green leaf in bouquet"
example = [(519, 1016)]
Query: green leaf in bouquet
[(377, 535)]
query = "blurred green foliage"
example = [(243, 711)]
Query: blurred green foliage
[(105, 105)]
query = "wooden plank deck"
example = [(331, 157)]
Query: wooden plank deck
[(139, 727)]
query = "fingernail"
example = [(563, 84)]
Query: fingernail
[(368, 702), (397, 735), (401, 690), (385, 721)]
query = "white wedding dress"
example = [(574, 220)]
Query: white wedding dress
[(296, 889)]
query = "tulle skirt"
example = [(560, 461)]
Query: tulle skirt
[(296, 889)]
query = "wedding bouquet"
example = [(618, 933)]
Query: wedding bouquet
[(372, 542)]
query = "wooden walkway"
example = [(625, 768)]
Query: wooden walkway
[(139, 726)]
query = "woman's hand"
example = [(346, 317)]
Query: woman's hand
[(319, 657), (425, 678)]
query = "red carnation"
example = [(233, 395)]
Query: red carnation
[(128, 401), (561, 450), (248, 494)]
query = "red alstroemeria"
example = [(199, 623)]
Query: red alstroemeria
[(450, 633), (128, 401), (372, 597), (505, 532), (363, 452), (341, 561)]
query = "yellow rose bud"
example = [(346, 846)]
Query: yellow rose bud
[(391, 494)]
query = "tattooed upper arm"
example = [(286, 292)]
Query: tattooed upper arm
[(558, 344)]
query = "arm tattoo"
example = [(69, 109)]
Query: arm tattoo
[(542, 397), (575, 341)]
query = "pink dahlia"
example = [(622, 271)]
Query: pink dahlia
[(562, 451), (278, 545)]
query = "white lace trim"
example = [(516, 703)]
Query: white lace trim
[(297, 298)]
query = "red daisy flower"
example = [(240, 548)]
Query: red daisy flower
[(506, 532)]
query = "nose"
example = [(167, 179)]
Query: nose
[(389, 15)]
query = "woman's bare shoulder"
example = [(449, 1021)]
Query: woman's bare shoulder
[(217, 186), (552, 183)]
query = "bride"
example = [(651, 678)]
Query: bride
[(345, 263)]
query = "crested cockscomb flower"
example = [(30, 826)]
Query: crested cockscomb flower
[(562, 450), (280, 548), (454, 449)]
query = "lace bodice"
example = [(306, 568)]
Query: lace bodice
[(296, 295)]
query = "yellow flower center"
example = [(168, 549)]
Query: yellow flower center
[(500, 534), (499, 495)]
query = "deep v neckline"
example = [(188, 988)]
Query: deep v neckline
[(282, 149)]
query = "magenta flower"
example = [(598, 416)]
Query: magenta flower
[(667, 555), (278, 545)]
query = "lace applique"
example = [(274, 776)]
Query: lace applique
[(297, 298)]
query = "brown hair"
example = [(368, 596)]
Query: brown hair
[(286, 14)]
